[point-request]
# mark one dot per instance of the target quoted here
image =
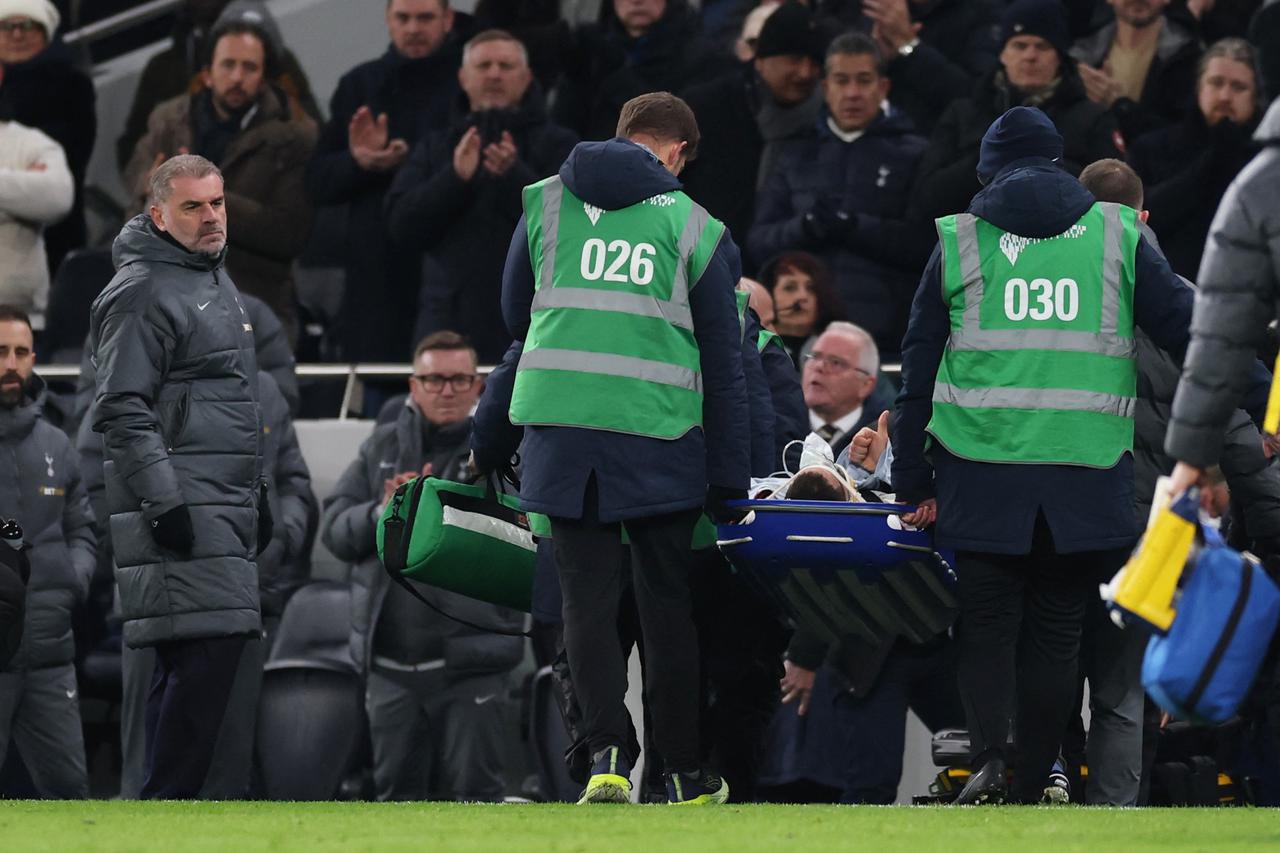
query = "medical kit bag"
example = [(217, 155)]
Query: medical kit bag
[(468, 539)]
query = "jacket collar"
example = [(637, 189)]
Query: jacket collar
[(18, 422)]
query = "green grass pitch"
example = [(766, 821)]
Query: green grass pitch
[(320, 827)]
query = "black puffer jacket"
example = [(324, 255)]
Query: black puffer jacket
[(1239, 288), (177, 406), (40, 486)]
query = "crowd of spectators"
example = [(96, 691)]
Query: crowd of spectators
[(833, 133)]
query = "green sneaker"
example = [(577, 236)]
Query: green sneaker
[(701, 788), (609, 782)]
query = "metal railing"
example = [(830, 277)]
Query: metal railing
[(120, 22), (352, 374)]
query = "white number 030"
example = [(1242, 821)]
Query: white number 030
[(1041, 299), (607, 262)]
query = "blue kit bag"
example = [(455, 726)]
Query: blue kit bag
[(1203, 668)]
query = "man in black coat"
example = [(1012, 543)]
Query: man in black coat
[(41, 87), (637, 46), (1027, 536), (843, 193), (743, 115), (1034, 71), (936, 50), (1141, 67), (1188, 166), (380, 110), (461, 186)]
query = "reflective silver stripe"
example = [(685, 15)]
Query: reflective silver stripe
[(611, 300), (610, 364), (1063, 340), (970, 269), (552, 192), (1111, 267), (486, 525), (1068, 399), (693, 228), (972, 337)]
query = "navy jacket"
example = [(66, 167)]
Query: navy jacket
[(635, 476), (992, 507), (876, 263), (790, 415)]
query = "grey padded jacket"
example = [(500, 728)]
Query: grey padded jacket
[(1237, 296), (177, 406), (40, 486)]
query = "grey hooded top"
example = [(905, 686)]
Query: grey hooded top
[(40, 486), (177, 406)]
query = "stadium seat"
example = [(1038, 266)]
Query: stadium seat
[(311, 725), (81, 276), (549, 740)]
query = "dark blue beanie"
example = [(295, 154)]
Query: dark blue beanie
[(1021, 132), (1044, 18)]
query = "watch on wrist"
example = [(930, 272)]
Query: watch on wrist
[(909, 48)]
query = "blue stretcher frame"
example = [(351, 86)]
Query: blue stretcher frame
[(844, 570)]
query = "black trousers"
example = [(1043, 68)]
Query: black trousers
[(190, 688), (1020, 622), (591, 563)]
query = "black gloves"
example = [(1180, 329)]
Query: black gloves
[(172, 530), (266, 524), (824, 224), (717, 504)]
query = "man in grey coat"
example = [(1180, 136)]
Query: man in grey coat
[(177, 406), (1239, 287), (40, 487), (435, 687)]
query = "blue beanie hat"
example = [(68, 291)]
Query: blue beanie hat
[(1021, 132)]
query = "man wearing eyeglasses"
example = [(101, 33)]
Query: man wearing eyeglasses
[(434, 690), (839, 384)]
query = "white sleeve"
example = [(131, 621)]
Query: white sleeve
[(40, 196)]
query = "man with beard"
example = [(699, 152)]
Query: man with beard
[(242, 122), (170, 72), (1139, 67), (1188, 167), (177, 407), (461, 186), (40, 488)]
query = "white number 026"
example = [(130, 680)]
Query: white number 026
[(1040, 299), (595, 256)]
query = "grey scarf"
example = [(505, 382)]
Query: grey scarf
[(778, 123)]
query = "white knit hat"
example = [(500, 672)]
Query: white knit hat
[(40, 11)]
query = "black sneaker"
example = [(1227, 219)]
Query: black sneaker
[(989, 785), (700, 788)]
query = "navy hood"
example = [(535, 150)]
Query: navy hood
[(1033, 198), (1020, 133), (615, 174)]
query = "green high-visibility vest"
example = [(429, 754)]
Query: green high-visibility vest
[(1039, 366), (610, 343), (763, 336)]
